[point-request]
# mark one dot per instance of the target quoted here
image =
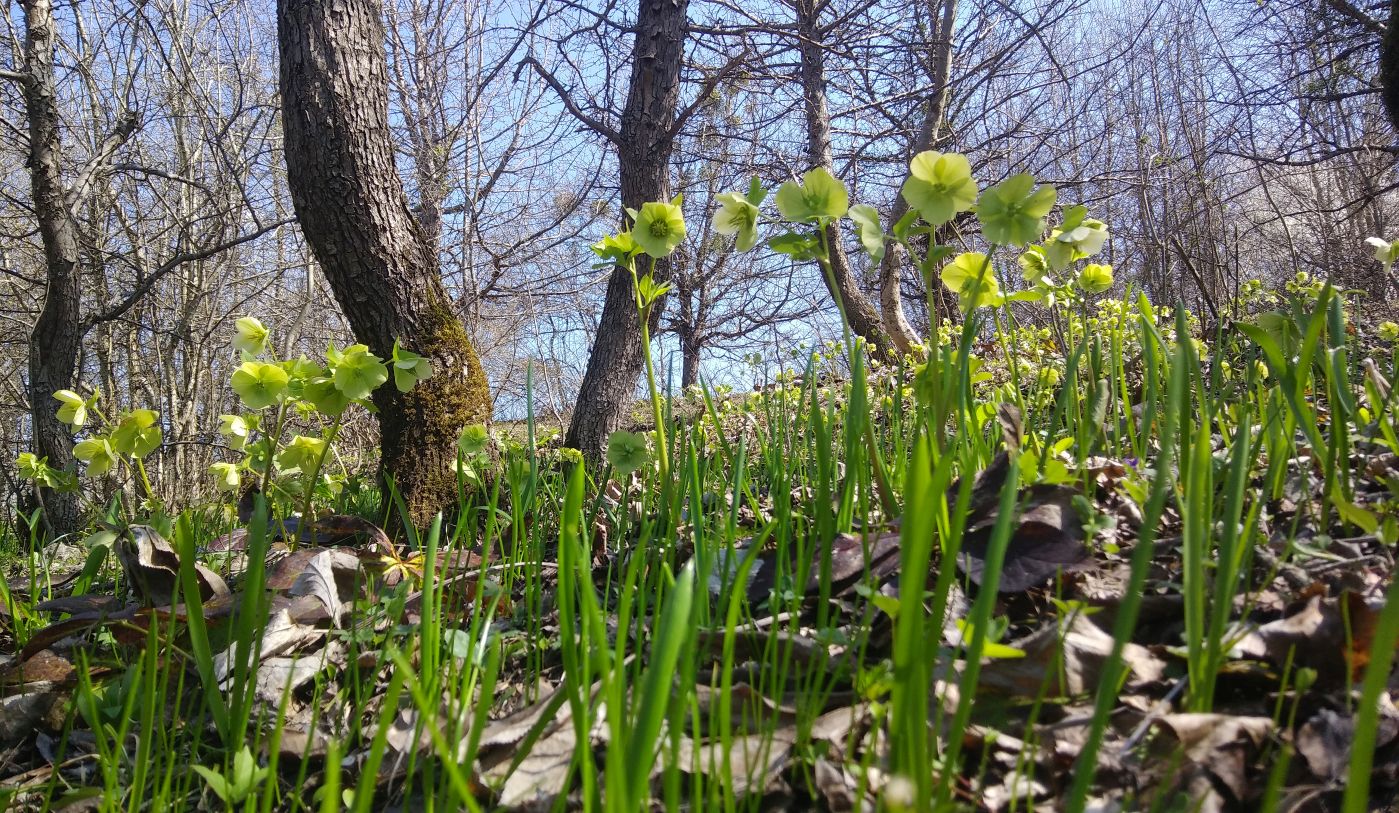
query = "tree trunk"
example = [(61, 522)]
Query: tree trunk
[(864, 319), (686, 325), (929, 135), (352, 208), (57, 337), (644, 143), (1389, 65)]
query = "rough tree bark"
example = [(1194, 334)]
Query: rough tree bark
[(929, 135), (864, 318), (56, 341), (352, 208), (644, 143), (1389, 65)]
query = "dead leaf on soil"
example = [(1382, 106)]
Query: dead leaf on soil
[(1047, 538), (1068, 656)]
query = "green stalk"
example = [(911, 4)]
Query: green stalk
[(307, 520)]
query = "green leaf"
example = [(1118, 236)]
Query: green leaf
[(800, 247), (673, 631), (616, 249), (1361, 518), (649, 290), (409, 368), (901, 228), (216, 783)]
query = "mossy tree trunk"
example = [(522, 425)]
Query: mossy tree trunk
[(352, 208)]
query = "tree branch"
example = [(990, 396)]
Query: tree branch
[(710, 83), (1367, 22), (144, 286), (82, 186), (588, 121)]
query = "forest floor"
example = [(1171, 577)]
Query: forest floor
[(1114, 571)]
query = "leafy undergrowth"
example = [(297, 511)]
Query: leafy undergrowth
[(1086, 567)]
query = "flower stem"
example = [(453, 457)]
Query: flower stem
[(307, 519), (643, 310)]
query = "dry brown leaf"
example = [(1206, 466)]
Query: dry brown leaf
[(1326, 634), (1047, 537), (1068, 656), (1221, 745), (331, 576), (750, 763), (152, 567), (281, 636)]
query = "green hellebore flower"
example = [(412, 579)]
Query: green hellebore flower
[(818, 196), (1034, 264), (235, 428), (359, 372), (1076, 238), (472, 440), (137, 434), (322, 393), (971, 277), (409, 368), (866, 219), (939, 186), (737, 216), (1385, 251), (252, 336), (1012, 212), (1095, 278), (74, 409), (97, 453), (260, 384), (626, 451), (658, 228), (1389, 331), (226, 476), (301, 453)]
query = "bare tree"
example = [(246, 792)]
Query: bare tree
[(644, 139), (811, 35)]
